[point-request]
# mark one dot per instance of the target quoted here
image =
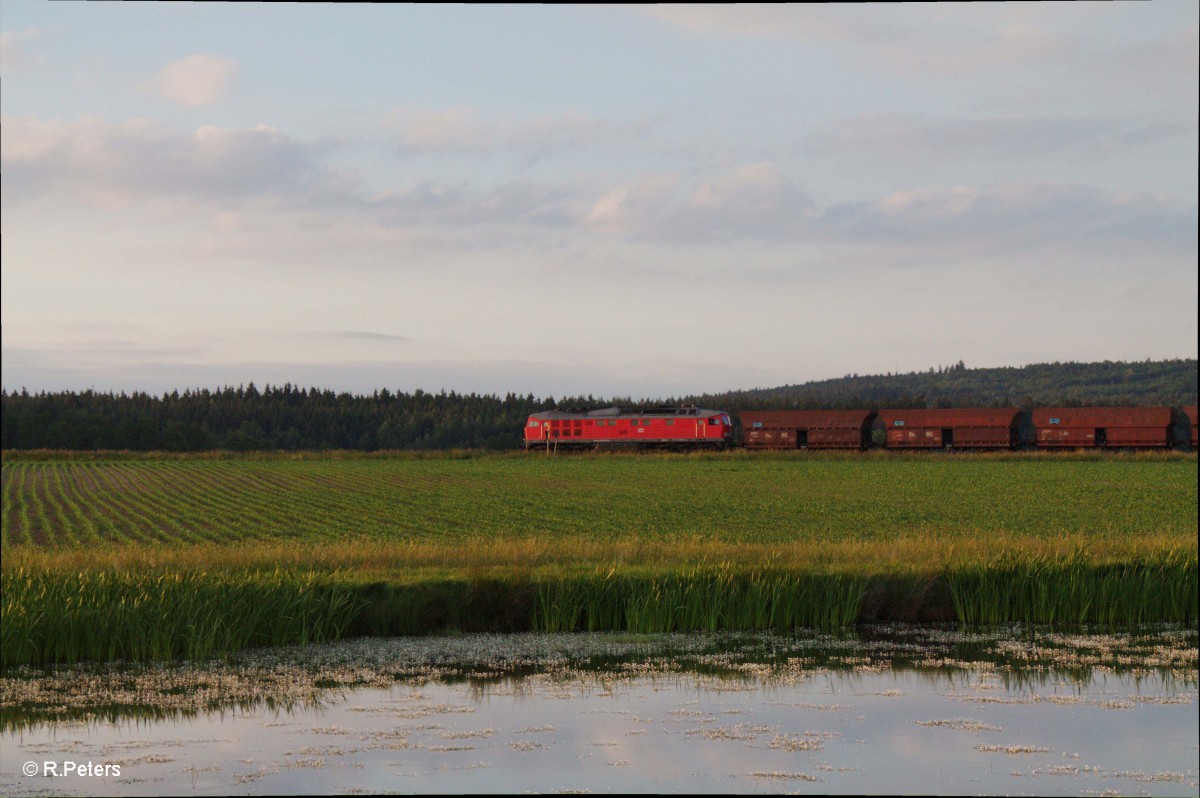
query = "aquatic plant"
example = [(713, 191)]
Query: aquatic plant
[(103, 615), (1076, 590), (707, 599)]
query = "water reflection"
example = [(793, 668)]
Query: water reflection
[(884, 710), (1162, 657)]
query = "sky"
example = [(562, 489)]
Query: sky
[(619, 201)]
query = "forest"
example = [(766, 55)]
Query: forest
[(247, 418)]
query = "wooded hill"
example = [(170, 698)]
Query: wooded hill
[(1110, 383), (290, 418)]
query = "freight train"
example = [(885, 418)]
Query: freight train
[(918, 429)]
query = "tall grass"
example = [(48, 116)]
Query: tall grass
[(698, 599), (1039, 589), (55, 617), (51, 615)]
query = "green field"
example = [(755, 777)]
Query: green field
[(410, 543)]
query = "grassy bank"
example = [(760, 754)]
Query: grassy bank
[(53, 614), (110, 557)]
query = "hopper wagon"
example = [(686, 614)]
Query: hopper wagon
[(807, 429), (1102, 427), (950, 428)]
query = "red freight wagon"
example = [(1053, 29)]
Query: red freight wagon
[(1191, 414), (612, 427), (951, 428), (1075, 427), (806, 429)]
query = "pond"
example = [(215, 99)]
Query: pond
[(883, 710)]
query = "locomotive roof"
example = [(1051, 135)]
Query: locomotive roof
[(627, 412)]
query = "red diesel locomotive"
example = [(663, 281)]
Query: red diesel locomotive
[(614, 428)]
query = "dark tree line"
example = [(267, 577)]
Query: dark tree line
[(291, 418), (246, 418)]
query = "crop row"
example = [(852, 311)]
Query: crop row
[(64, 503)]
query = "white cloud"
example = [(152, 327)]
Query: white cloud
[(195, 81), (757, 201), (114, 164), (465, 131), (258, 185), (220, 173), (1013, 217), (13, 54), (901, 137), (754, 199), (627, 209), (755, 196), (908, 37), (944, 39)]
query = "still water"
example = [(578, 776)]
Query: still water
[(883, 711)]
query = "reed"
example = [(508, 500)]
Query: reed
[(1075, 591), (705, 599), (55, 617)]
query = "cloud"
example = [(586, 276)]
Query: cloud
[(515, 202), (364, 335), (13, 54), (112, 165), (107, 165), (757, 201), (1016, 216), (627, 210), (223, 173), (944, 39), (461, 131), (195, 81), (910, 38), (754, 199), (902, 137)]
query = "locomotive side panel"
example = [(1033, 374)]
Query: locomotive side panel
[(612, 428)]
